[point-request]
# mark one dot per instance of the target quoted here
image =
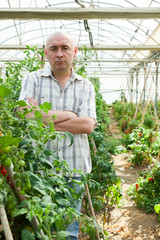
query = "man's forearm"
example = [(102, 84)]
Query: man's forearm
[(60, 116), (77, 125)]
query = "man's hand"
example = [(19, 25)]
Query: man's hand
[(33, 102)]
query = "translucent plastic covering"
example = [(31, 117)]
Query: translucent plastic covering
[(119, 42)]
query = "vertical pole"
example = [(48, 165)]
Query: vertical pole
[(137, 85), (156, 86), (5, 224), (132, 77), (144, 93), (128, 85), (92, 210)]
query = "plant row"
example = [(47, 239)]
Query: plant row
[(39, 174), (142, 138)]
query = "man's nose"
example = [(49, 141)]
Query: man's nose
[(59, 52)]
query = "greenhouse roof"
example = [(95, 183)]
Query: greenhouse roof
[(119, 27), (124, 33)]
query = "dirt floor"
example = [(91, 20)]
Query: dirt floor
[(127, 222)]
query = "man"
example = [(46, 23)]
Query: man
[(73, 103)]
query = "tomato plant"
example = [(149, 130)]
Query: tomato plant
[(146, 192), (23, 145), (103, 182), (144, 144)]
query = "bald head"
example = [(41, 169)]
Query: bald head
[(60, 34)]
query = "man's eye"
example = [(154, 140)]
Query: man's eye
[(65, 48)]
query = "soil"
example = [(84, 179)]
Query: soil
[(127, 222)]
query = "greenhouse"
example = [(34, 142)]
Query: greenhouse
[(79, 120)]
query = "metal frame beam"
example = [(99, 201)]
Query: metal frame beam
[(96, 47), (99, 61), (79, 13)]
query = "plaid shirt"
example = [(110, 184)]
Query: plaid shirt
[(78, 96)]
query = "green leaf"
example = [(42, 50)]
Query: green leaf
[(67, 193), (45, 237), (25, 142), (37, 183), (47, 152), (71, 138), (62, 201), (3, 195), (39, 188), (17, 212), (38, 114), (45, 106), (6, 141), (62, 234), (157, 208), (23, 203), (46, 163), (27, 235), (4, 92), (21, 103), (33, 134), (47, 199)]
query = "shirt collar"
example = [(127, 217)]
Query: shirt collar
[(47, 72)]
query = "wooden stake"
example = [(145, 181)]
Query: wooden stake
[(135, 115), (34, 221), (5, 224), (92, 210)]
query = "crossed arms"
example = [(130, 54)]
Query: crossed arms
[(66, 121)]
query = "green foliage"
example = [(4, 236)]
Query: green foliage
[(142, 146), (112, 145), (149, 121), (103, 183), (14, 71), (91, 231), (120, 149), (23, 145), (124, 113), (80, 64), (101, 106), (146, 192), (157, 210)]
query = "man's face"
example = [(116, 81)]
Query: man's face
[(60, 52)]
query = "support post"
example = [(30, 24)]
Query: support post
[(137, 73), (92, 210), (132, 78), (156, 86), (144, 91), (5, 224)]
